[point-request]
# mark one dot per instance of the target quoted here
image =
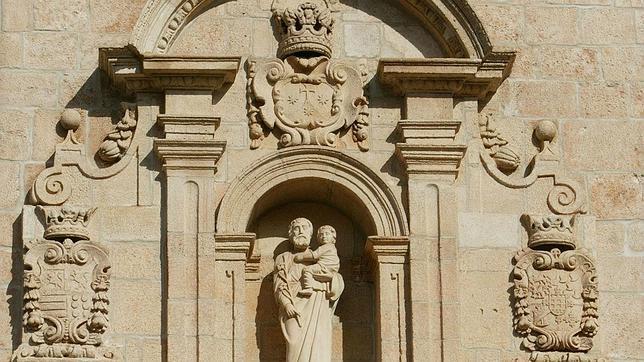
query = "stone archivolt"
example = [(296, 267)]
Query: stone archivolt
[(555, 290), (66, 283)]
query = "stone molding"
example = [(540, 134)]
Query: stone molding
[(429, 147), (388, 250), (453, 23), (304, 162), (189, 143), (234, 247), (459, 78), (132, 72)]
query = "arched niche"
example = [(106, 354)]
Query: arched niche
[(353, 187), (452, 23)]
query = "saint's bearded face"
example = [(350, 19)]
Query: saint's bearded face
[(300, 233)]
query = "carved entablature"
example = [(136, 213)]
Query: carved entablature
[(304, 95), (66, 283), (555, 289)]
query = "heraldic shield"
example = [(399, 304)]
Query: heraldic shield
[(307, 99), (555, 300)]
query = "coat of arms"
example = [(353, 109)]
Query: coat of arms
[(304, 95), (66, 284), (555, 289)]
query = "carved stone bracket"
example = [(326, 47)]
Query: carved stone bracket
[(66, 283), (54, 185), (555, 290)]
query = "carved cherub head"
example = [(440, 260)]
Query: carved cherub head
[(300, 231), (326, 235)]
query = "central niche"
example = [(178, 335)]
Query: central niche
[(323, 203)]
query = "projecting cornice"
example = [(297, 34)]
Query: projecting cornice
[(133, 72), (473, 78)]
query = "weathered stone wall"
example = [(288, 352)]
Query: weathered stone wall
[(578, 64)]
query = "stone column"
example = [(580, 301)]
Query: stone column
[(389, 257), (229, 335), (189, 154)]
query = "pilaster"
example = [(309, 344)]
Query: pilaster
[(389, 258), (231, 255)]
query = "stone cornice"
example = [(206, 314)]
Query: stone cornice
[(132, 72), (457, 77), (387, 250), (431, 159)]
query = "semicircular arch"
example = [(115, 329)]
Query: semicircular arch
[(452, 23), (310, 163)]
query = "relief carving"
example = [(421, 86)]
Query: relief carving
[(555, 289), (503, 164), (307, 286), (118, 141), (306, 96), (66, 283)]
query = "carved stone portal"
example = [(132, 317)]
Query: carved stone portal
[(66, 284), (307, 286), (555, 289), (308, 97)]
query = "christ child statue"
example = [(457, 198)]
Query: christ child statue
[(326, 262)]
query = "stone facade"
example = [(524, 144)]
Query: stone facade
[(177, 126)]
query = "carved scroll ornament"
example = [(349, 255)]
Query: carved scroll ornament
[(555, 289), (502, 163), (54, 185), (306, 96), (66, 283)]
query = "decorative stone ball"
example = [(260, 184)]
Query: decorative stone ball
[(546, 131), (70, 119)]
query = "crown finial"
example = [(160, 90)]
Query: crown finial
[(304, 27), (68, 222), (551, 231)]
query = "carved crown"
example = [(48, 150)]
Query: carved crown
[(68, 222), (550, 231), (306, 28)]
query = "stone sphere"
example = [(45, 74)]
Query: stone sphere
[(546, 131), (70, 119)]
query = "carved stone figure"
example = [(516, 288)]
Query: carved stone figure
[(555, 289), (66, 281), (307, 96), (307, 287), (118, 141)]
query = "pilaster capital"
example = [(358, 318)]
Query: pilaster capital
[(388, 250), (440, 160), (234, 247)]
